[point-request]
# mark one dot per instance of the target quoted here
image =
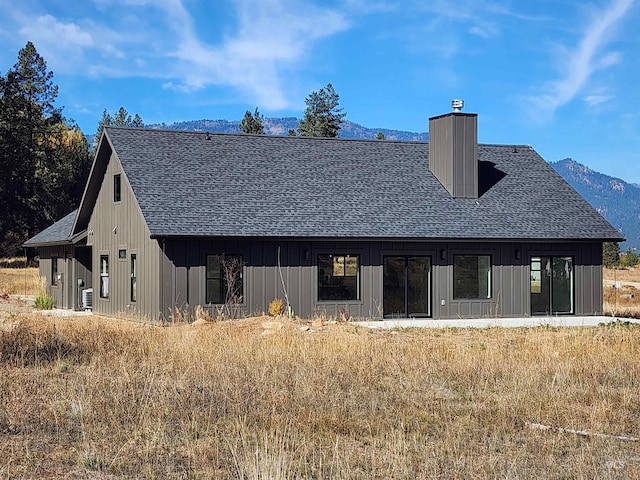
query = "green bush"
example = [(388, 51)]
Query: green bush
[(44, 301)]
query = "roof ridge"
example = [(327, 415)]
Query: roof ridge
[(296, 137)]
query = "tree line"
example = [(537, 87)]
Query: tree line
[(612, 257)]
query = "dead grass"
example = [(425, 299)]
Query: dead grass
[(22, 281), (622, 302), (618, 302), (629, 274), (97, 398)]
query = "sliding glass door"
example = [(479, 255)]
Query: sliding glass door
[(552, 285), (406, 287)]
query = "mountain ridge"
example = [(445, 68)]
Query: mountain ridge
[(616, 200), (280, 126)]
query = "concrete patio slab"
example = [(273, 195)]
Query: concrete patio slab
[(557, 321)]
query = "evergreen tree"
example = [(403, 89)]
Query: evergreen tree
[(121, 119), (380, 136), (322, 117), (611, 254), (43, 159), (629, 258), (252, 123)]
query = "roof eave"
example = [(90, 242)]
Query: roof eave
[(160, 235), (54, 243)]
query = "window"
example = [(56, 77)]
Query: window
[(117, 191), (338, 277), (471, 276), (54, 270), (224, 279), (104, 276), (122, 254), (134, 276)]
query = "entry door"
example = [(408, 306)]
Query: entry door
[(69, 282), (406, 287), (551, 285)]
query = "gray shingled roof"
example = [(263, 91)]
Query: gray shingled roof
[(262, 186), (59, 232)]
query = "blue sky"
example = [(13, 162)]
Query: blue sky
[(560, 75)]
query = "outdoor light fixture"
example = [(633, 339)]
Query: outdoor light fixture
[(443, 254), (517, 253)]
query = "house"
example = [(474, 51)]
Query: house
[(366, 228)]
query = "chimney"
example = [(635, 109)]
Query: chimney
[(453, 151)]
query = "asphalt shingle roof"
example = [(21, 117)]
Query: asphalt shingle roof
[(59, 232), (197, 184)]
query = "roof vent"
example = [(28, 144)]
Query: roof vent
[(457, 105)]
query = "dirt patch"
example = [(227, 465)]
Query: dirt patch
[(14, 304)]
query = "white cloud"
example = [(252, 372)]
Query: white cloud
[(160, 39), (61, 44), (366, 7), (578, 64), (597, 99), (485, 31), (273, 35)]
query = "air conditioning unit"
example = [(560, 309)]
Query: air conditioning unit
[(87, 299)]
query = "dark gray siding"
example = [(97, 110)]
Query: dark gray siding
[(63, 291), (74, 262), (120, 226), (183, 275), (47, 254)]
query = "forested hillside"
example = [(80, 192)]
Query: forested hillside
[(615, 199)]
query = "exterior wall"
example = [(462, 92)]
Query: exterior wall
[(74, 263), (116, 226), (183, 275), (47, 254)]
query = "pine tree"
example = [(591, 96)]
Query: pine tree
[(611, 254), (322, 117), (121, 119), (43, 158), (252, 123), (630, 258)]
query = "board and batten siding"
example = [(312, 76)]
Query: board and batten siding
[(74, 263), (58, 292), (184, 275), (116, 226), (511, 278)]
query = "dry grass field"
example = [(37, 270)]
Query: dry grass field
[(623, 301), (103, 398), (18, 281), (631, 274)]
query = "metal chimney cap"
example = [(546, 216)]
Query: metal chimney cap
[(457, 105)]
